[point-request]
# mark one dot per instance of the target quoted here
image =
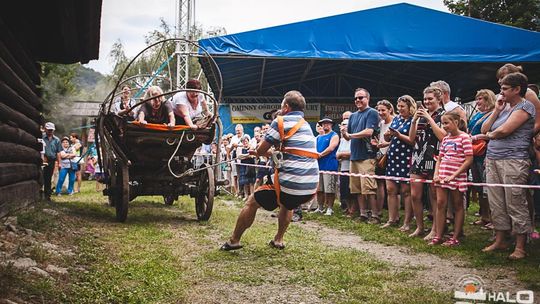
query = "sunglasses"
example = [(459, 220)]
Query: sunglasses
[(403, 99), (359, 97)]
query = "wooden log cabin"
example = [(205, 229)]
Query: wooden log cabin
[(57, 31)]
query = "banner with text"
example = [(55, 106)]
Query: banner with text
[(335, 111), (246, 113)]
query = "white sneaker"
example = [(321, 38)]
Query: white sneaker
[(329, 211), (318, 210)]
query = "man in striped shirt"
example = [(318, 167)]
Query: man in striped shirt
[(298, 174)]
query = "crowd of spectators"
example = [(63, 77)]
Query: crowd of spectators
[(430, 139), (63, 158), (395, 146)]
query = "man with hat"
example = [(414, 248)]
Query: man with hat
[(52, 148), (327, 144)]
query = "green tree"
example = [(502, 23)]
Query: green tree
[(519, 13), (149, 62)]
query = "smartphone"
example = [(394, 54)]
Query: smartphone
[(392, 129)]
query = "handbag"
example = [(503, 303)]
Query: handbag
[(382, 161), (479, 147), (74, 166)]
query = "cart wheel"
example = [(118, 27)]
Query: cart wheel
[(204, 201), (169, 199), (121, 198)]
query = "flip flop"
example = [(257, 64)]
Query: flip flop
[(277, 246), (229, 247)]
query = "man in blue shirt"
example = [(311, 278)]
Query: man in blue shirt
[(361, 126), (52, 148)]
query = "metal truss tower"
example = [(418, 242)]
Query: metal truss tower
[(185, 24)]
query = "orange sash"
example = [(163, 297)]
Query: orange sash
[(293, 151)]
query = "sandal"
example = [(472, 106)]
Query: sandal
[(480, 223), (276, 245), (492, 248), (435, 241), (488, 226), (229, 247), (518, 254), (390, 224), (452, 242)]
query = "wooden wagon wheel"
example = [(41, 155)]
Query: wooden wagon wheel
[(204, 201), (121, 191)]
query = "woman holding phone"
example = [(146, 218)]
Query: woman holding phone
[(426, 133), (399, 161)]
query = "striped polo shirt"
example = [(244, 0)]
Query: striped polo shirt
[(298, 175)]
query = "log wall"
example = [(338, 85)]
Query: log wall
[(20, 120)]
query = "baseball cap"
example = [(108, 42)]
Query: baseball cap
[(49, 126), (326, 119)]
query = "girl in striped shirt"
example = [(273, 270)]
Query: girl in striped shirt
[(455, 157)]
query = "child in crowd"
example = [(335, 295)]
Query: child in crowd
[(98, 174), (67, 167), (455, 157), (90, 166)]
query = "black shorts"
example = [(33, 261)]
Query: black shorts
[(266, 197)]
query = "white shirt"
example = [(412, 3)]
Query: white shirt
[(235, 140), (383, 127), (344, 146), (181, 98), (450, 106), (117, 107)]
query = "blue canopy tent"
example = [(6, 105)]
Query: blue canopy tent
[(391, 51)]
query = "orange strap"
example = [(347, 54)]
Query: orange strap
[(303, 153), (293, 151), (161, 127)]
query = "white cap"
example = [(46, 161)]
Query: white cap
[(49, 126)]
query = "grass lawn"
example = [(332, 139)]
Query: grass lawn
[(475, 240), (163, 255)]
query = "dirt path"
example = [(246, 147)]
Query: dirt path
[(434, 271)]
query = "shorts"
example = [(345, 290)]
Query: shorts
[(363, 185), (327, 183), (422, 171), (265, 196)]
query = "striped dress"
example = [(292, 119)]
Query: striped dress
[(298, 175), (452, 152)]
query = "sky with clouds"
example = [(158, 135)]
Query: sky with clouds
[(131, 20)]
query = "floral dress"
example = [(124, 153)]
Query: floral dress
[(399, 153)]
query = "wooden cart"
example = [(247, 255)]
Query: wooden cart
[(141, 160)]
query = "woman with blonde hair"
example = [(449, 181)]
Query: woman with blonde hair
[(485, 102), (156, 110), (426, 133), (386, 113), (399, 162)]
